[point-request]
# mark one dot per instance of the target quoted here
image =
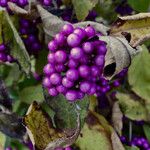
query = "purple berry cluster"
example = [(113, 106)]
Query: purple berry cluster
[(75, 63), (4, 54), (29, 34), (140, 142), (21, 3)]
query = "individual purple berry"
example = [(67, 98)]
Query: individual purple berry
[(55, 79), (73, 63), (8, 148), (68, 148), (88, 47), (90, 31), (31, 38), (116, 83), (92, 90), (101, 49), (72, 74), (3, 57), (10, 58), (60, 67), (94, 71), (99, 60), (71, 95), (24, 23), (47, 2), (3, 3), (2, 48), (49, 69), (51, 58), (67, 83), (73, 40), (60, 56), (85, 86), (84, 71), (76, 53), (22, 3), (53, 91), (80, 95), (80, 32), (67, 29), (47, 82), (60, 39), (61, 89), (52, 46)]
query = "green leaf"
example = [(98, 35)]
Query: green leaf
[(32, 93), (139, 5), (135, 27), (2, 140), (131, 108), (146, 129), (82, 7), (66, 112), (41, 61), (1, 39), (18, 50), (139, 75)]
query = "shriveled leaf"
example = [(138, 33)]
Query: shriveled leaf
[(146, 128), (116, 143), (11, 125), (133, 109), (51, 23), (139, 5), (16, 9), (42, 133), (139, 73), (118, 56), (65, 112), (135, 28), (98, 26), (117, 118), (31, 93), (82, 7), (18, 50)]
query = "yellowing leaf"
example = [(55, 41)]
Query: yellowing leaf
[(82, 7), (139, 75), (136, 27), (131, 108), (42, 133)]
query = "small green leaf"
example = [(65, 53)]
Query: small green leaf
[(18, 50), (146, 129), (131, 108), (32, 93), (139, 5), (82, 7), (2, 140)]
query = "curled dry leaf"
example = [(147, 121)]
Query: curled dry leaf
[(136, 28), (16, 9), (118, 56), (42, 133), (11, 124), (116, 143), (117, 118)]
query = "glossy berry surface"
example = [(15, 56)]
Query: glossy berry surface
[(75, 64)]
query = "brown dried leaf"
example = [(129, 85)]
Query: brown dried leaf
[(117, 118), (116, 143), (137, 27), (42, 133), (118, 56)]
